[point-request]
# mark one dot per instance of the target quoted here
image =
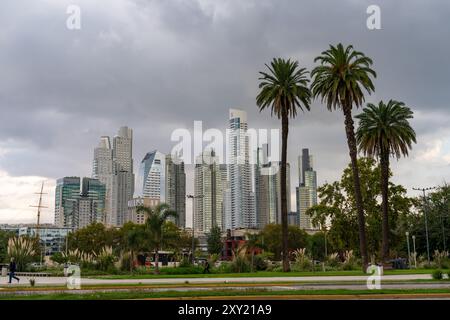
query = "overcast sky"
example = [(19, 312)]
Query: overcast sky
[(159, 65)]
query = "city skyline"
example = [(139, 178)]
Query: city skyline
[(63, 104)]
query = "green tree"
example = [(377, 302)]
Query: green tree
[(134, 240), (271, 239), (93, 238), (4, 237), (214, 241), (156, 218), (253, 242), (340, 79), (284, 89), (338, 206), (383, 130)]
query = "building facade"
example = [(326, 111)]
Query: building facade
[(241, 212), (113, 166), (79, 202), (209, 188), (306, 192)]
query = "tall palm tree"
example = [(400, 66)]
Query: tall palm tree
[(284, 89), (156, 218), (340, 79), (383, 130)]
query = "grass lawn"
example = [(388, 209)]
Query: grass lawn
[(137, 294), (260, 274)]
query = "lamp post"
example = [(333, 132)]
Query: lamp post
[(190, 196), (426, 218), (415, 254), (409, 251)]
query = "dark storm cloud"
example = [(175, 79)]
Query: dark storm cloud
[(159, 65)]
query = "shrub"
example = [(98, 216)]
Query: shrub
[(350, 261), (302, 261), (441, 258), (437, 274), (332, 260), (259, 264), (184, 263), (224, 267), (240, 264)]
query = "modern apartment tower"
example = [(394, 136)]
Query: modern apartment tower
[(162, 179), (241, 212), (176, 189), (209, 187), (79, 204), (306, 192), (268, 189), (113, 166)]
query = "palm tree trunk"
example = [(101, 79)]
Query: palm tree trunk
[(156, 261), (284, 224), (132, 261), (384, 166), (351, 141)]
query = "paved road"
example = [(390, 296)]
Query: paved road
[(316, 279)]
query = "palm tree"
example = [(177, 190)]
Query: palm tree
[(253, 242), (340, 79), (284, 89), (384, 130), (156, 218)]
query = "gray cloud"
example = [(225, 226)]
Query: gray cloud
[(159, 65)]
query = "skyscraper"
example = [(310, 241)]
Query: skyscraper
[(152, 176), (79, 204), (114, 168), (176, 189), (268, 189), (209, 186), (240, 198), (102, 169), (306, 192), (162, 179)]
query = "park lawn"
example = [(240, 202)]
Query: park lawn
[(137, 294), (260, 274)]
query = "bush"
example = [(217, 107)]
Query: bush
[(185, 263), (224, 267), (259, 264), (181, 270), (302, 261), (240, 264), (437, 274)]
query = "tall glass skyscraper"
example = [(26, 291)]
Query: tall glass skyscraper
[(268, 189), (79, 204), (306, 192), (113, 166), (162, 179), (241, 211), (209, 186)]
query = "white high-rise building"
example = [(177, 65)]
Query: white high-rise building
[(306, 192), (113, 166), (152, 176), (162, 179), (241, 201), (102, 170), (209, 189), (268, 189)]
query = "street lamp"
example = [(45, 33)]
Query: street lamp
[(425, 204), (415, 253), (190, 196), (409, 251)]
